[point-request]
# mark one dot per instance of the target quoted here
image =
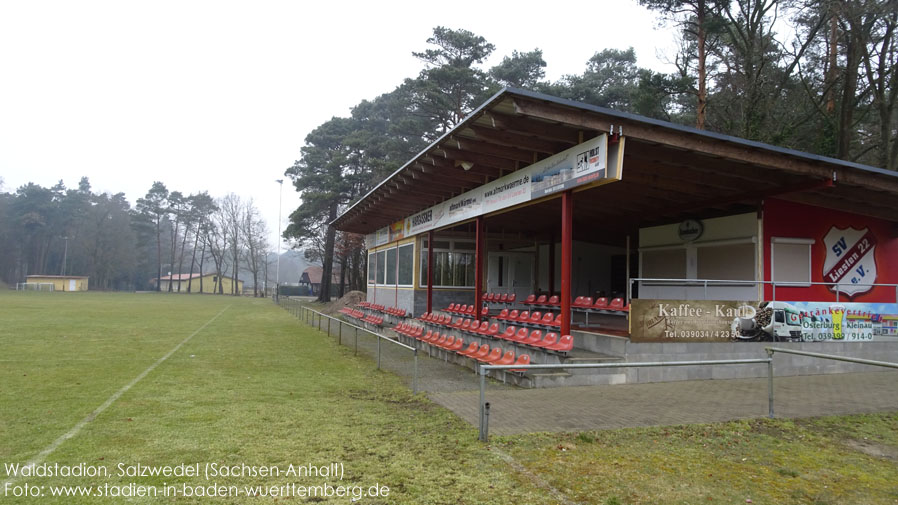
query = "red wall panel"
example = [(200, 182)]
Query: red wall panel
[(865, 241)]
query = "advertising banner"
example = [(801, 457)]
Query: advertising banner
[(582, 165), (382, 236), (769, 321), (397, 230), (507, 191), (569, 169), (685, 320), (847, 321)]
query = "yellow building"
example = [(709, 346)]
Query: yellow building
[(60, 282), (210, 283)]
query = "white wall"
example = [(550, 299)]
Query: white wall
[(737, 238)]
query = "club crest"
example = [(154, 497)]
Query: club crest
[(850, 260)]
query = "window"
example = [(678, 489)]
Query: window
[(664, 264), (453, 264), (790, 260), (728, 262), (406, 264), (391, 267), (381, 266)]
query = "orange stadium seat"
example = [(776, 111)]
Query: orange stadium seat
[(535, 337), (523, 359), (564, 344)]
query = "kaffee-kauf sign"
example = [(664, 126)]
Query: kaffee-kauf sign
[(685, 320)]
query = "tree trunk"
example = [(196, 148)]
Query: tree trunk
[(702, 69), (846, 113), (832, 72), (364, 285), (174, 249), (202, 260), (159, 256), (341, 289), (196, 241), (324, 293), (181, 257)]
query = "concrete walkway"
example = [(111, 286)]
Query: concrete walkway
[(516, 411)]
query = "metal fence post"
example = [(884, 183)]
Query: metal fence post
[(319, 322), (340, 334), (486, 422), (770, 383), (415, 376), (328, 327), (378, 352), (482, 395), (356, 352)]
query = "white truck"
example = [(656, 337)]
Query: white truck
[(772, 321)]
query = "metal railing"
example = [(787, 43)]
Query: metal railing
[(705, 283), (485, 369), (861, 361), (311, 317)]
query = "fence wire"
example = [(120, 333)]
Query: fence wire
[(517, 407)]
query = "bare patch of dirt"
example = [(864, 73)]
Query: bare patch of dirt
[(350, 299), (873, 449)]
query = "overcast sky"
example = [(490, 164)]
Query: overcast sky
[(219, 95)]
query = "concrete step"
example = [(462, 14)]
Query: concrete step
[(550, 380), (592, 358), (523, 381)]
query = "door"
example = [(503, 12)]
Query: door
[(71, 284), (509, 272)]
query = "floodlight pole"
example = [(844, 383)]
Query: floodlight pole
[(277, 273)]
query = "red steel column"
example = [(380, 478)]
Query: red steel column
[(478, 268), (396, 286), (567, 224), (430, 271), (552, 265)]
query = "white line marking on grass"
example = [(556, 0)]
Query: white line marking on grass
[(115, 396), (539, 481)]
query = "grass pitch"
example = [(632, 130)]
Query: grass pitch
[(255, 388)]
